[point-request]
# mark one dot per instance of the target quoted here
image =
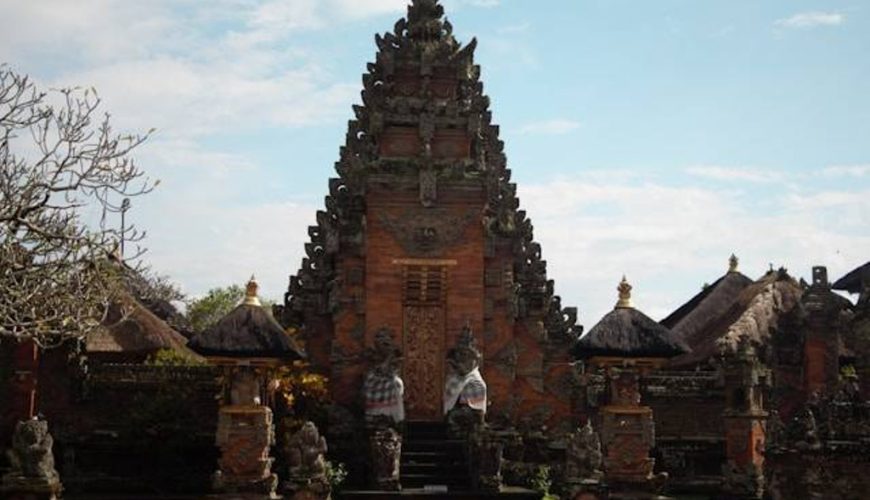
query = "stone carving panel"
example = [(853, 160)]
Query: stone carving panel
[(423, 365), (427, 232)]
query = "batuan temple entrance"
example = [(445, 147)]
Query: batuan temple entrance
[(421, 251)]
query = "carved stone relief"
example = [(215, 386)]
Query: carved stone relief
[(427, 232)]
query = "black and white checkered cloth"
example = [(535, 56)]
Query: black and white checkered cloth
[(383, 396), (470, 390)]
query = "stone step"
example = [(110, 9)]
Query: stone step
[(508, 493), (434, 469), (446, 445), (453, 482)]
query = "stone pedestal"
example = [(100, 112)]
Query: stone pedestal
[(244, 436), (17, 487), (487, 458)]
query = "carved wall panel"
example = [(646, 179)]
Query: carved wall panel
[(424, 361), (427, 231)]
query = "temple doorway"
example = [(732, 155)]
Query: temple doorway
[(423, 340)]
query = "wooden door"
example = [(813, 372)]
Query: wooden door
[(423, 341)]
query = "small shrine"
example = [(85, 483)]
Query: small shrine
[(249, 345), (624, 346)]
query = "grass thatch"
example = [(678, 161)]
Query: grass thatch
[(627, 332), (855, 281), (754, 315), (247, 331), (131, 330)]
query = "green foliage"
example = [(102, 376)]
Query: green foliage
[(542, 482), (169, 357), (335, 474), (207, 310)]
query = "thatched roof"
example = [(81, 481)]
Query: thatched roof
[(248, 331), (132, 329), (856, 281), (627, 332), (754, 314), (694, 319)]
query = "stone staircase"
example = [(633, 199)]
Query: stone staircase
[(435, 467), (432, 461)]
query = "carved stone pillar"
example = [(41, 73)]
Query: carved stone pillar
[(627, 429), (744, 418), (386, 453), (244, 436)]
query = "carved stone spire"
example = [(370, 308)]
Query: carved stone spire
[(251, 288), (733, 261), (424, 20), (624, 289)]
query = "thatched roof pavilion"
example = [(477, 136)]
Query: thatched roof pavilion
[(754, 314), (626, 332), (131, 333), (248, 331), (703, 311)]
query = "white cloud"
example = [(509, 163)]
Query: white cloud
[(811, 19), (846, 171), (669, 239), (735, 174), (557, 126)]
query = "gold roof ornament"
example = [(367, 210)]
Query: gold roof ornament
[(624, 289), (251, 288), (733, 261)]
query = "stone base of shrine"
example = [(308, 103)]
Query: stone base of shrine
[(255, 487), (586, 490), (14, 487), (244, 435)]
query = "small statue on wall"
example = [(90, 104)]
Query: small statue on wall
[(583, 455), (386, 447), (383, 389), (32, 461), (306, 449)]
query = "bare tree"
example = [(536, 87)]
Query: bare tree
[(59, 158)]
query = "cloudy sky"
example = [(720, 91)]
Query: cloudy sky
[(648, 138)]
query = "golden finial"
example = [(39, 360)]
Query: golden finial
[(732, 263), (251, 298), (624, 289)]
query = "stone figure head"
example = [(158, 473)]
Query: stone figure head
[(465, 356), (386, 358)]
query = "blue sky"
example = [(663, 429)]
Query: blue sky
[(651, 138)]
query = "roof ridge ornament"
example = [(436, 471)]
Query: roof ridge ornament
[(624, 290), (251, 288), (733, 262)]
